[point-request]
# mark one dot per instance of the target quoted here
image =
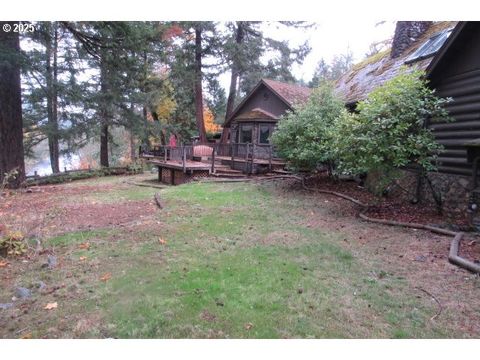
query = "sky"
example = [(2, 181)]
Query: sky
[(327, 39), (331, 38)]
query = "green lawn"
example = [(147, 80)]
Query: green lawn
[(229, 261)]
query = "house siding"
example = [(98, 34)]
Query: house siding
[(458, 77), (266, 100)]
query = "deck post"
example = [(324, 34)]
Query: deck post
[(231, 152), (253, 157), (184, 159), (213, 160), (270, 158), (165, 153), (245, 170)]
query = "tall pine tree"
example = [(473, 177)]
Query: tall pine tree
[(11, 124)]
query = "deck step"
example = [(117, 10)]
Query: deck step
[(281, 172), (228, 175), (227, 170)]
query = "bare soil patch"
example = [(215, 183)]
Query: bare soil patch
[(52, 210), (385, 208)]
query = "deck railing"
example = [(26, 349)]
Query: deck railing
[(208, 151)]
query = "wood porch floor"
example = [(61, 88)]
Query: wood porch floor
[(255, 161)]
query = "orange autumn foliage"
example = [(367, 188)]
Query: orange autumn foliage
[(210, 125)]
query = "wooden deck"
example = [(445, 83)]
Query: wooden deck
[(255, 161), (178, 165), (177, 172)]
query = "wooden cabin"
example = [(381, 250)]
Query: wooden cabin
[(254, 119), (449, 53), (455, 72)]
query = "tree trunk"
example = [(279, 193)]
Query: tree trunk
[(232, 94), (133, 146), (11, 124), (104, 146), (146, 139), (104, 114), (198, 86), (52, 96)]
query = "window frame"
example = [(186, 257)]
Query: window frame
[(270, 130), (425, 50), (240, 133)]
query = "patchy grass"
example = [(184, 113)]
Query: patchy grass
[(73, 238), (222, 261)]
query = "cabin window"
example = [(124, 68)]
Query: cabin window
[(246, 133), (431, 46), (264, 134)]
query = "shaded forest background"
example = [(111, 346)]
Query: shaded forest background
[(99, 90)]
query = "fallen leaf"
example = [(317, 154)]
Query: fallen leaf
[(3, 263), (82, 258), (162, 241), (106, 277), (248, 326), (84, 246), (51, 306), (26, 336)]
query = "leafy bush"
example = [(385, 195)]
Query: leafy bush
[(7, 178), (389, 132), (13, 244), (303, 137)]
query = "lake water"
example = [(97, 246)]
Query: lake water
[(42, 167)]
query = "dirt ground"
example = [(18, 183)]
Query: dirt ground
[(47, 211)]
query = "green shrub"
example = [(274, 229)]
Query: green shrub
[(389, 132), (13, 244), (303, 137)]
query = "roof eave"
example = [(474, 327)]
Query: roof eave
[(444, 49), (239, 106)]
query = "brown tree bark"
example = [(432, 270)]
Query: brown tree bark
[(104, 146), (104, 114), (11, 124), (232, 94), (133, 146), (52, 96), (198, 86), (146, 138)]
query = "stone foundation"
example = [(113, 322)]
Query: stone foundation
[(454, 190)]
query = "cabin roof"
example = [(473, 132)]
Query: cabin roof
[(291, 94), (256, 113), (379, 68)]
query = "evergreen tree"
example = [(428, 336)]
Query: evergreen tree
[(245, 45), (194, 61), (11, 124), (125, 55), (339, 66), (53, 93)]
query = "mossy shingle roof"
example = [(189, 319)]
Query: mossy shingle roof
[(379, 68)]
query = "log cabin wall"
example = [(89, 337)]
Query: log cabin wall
[(458, 76)]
